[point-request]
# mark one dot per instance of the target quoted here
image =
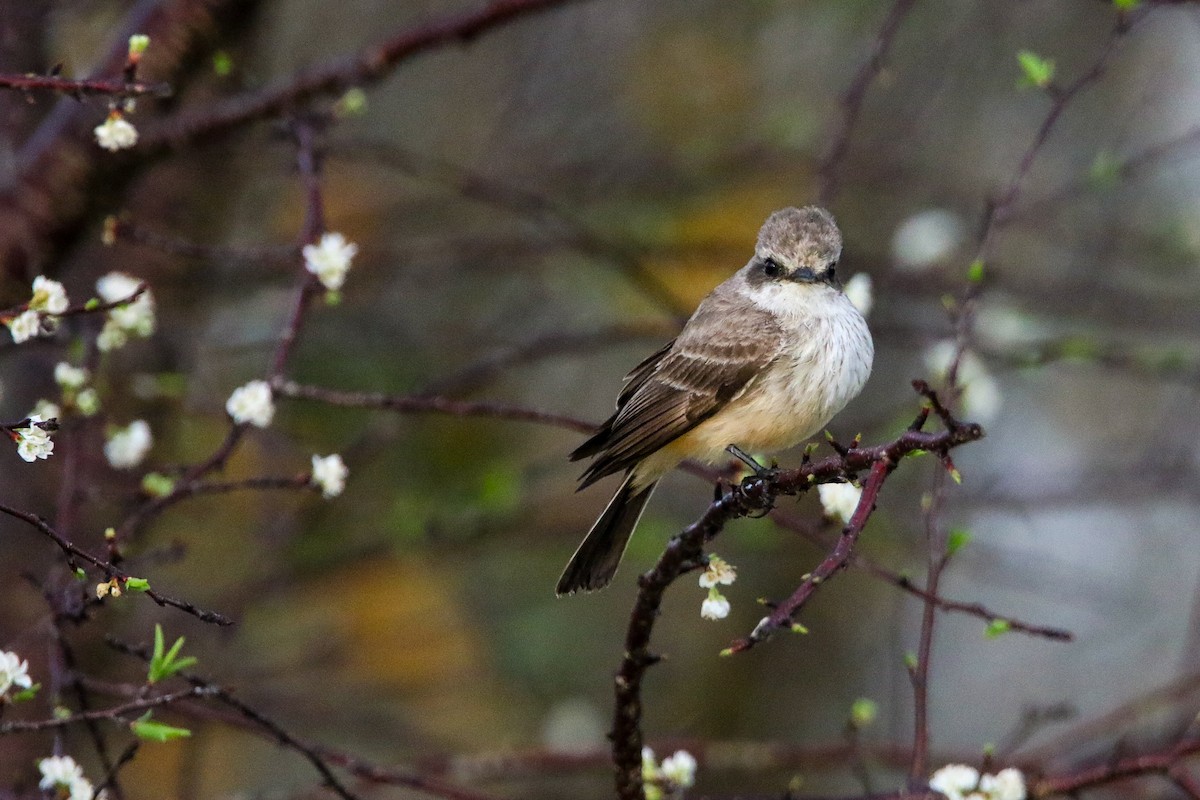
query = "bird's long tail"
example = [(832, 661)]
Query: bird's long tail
[(597, 559)]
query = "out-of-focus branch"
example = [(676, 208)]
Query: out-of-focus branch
[(1166, 762), (852, 100), (364, 67), (409, 404), (996, 210)]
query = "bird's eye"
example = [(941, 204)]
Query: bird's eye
[(832, 269), (771, 268)]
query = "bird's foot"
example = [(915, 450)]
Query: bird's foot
[(760, 472)]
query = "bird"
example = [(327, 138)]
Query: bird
[(767, 359)]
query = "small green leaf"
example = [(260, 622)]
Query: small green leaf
[(956, 475), (1079, 348), (863, 712), (798, 628), (956, 540), (996, 628), (137, 585), (26, 694), (352, 104), (222, 63), (975, 271), (1037, 71), (1105, 171), (146, 728), (80, 575), (333, 298), (910, 660), (92, 304), (156, 484), (165, 664), (1126, 5), (138, 44)]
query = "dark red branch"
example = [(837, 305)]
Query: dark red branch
[(78, 87), (685, 552)]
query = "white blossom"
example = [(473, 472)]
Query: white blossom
[(48, 296), (69, 377), (715, 606), (329, 259), (25, 326), (329, 473), (1007, 784), (81, 789), (926, 238), (33, 442), (981, 396), (839, 500), (126, 447), (251, 403), (680, 769), (13, 672), (116, 133), (955, 781), (58, 771), (860, 293), (718, 571), (136, 317)]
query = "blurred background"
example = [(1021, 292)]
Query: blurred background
[(536, 210)]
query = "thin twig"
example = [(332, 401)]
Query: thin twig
[(114, 714), (84, 86), (409, 404), (75, 554)]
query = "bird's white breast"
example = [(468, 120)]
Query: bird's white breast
[(824, 363)]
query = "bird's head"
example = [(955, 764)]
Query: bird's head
[(801, 245)]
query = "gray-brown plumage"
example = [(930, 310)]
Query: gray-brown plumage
[(767, 358)]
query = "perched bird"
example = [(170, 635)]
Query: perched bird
[(767, 359)]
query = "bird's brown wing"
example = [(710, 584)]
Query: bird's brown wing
[(710, 363)]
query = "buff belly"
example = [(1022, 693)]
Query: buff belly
[(785, 406)]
